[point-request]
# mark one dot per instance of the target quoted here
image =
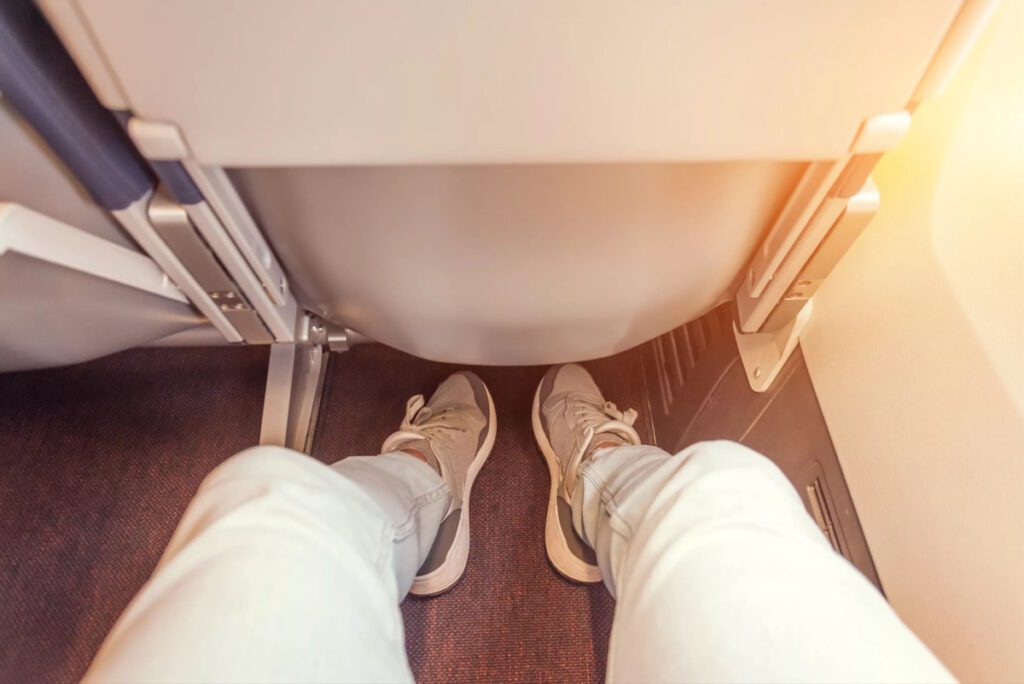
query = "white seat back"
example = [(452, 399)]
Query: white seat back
[(508, 182)]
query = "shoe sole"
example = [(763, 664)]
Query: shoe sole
[(565, 561), (445, 577)]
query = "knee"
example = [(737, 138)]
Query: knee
[(264, 462), (726, 456)]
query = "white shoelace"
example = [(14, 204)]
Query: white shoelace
[(422, 423), (598, 418)]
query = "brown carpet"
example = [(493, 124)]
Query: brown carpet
[(512, 617), (99, 460)]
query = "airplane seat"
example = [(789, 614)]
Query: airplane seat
[(33, 176), (509, 183), (519, 182), (73, 284)]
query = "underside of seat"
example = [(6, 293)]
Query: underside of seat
[(516, 264)]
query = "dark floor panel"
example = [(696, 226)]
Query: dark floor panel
[(791, 430), (98, 462), (512, 617), (700, 392)]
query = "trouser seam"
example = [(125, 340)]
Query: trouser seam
[(609, 502), (407, 526)]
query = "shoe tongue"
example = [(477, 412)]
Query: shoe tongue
[(422, 416), (556, 398)]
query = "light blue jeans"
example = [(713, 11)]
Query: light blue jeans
[(285, 569)]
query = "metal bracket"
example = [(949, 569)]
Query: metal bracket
[(221, 217), (173, 225), (764, 354), (295, 378), (811, 257), (295, 381), (820, 198), (337, 339), (135, 219)]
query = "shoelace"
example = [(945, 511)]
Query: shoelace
[(422, 422), (588, 409), (598, 418)]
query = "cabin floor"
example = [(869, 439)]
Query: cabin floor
[(99, 461)]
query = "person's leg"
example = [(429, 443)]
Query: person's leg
[(286, 569), (719, 573), (283, 569)]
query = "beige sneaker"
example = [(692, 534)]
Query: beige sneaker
[(455, 432), (570, 419)]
